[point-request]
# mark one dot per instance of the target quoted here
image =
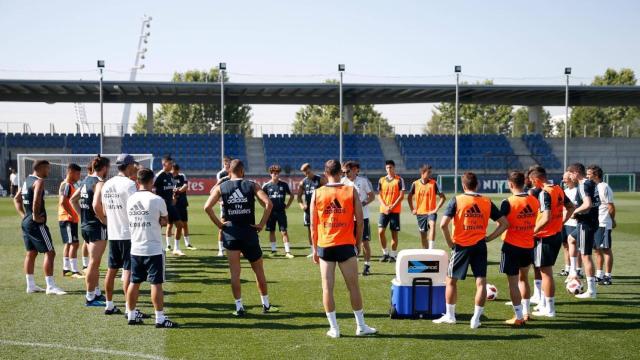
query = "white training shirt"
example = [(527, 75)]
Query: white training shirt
[(115, 193), (606, 198), (13, 178), (363, 187), (145, 209), (572, 194)]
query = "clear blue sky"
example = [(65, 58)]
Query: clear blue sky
[(508, 41)]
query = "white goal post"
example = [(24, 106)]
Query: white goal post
[(59, 163)]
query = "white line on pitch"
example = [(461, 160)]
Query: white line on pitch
[(77, 348)]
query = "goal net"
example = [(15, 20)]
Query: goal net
[(59, 163)]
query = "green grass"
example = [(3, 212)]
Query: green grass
[(198, 296)]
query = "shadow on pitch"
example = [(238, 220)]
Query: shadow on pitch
[(466, 337)]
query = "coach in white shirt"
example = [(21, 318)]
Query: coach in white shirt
[(147, 214), (350, 170)]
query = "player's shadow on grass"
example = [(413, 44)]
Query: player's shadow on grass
[(465, 337), (248, 323)]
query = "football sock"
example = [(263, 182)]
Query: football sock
[(65, 263), (74, 265), (90, 295), (311, 247), (368, 263), (239, 304), (98, 292), (451, 310), (477, 311), (525, 306), (607, 274), (359, 314), (176, 245), (49, 281), (159, 317), (543, 300), (551, 304), (518, 310), (598, 273), (273, 246), (287, 247), (393, 253), (573, 261), (220, 246), (264, 299), (591, 284), (333, 322), (186, 241), (385, 251), (31, 282), (109, 305), (567, 268), (131, 314), (537, 290), (431, 244), (169, 240), (85, 261)]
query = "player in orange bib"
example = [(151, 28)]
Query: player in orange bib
[(68, 220), (470, 214), (390, 193), (521, 210), (548, 234), (333, 210), (425, 190)]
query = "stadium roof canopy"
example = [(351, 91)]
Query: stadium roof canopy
[(52, 91)]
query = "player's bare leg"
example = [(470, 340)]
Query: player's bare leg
[(431, 234), (29, 267), (287, 245), (383, 244), (261, 282), (451, 297)]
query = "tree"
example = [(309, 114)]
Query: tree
[(523, 126), (324, 119), (197, 118), (472, 118), (601, 121)]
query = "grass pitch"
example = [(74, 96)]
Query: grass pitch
[(198, 296)]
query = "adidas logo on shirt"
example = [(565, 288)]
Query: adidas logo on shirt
[(237, 197), (526, 212), (334, 208), (138, 209), (473, 211)]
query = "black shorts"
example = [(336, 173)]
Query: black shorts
[(566, 231), (94, 233), (36, 236), (392, 220), (366, 231), (585, 235), (463, 256), (279, 217), (68, 232), (423, 221), (339, 253), (120, 254), (242, 239), (172, 211), (182, 213), (513, 258), (546, 250), (307, 218), (147, 268), (602, 238)]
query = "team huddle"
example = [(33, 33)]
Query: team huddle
[(127, 213)]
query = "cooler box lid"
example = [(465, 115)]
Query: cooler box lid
[(418, 263)]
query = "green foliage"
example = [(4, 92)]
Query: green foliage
[(197, 118), (606, 119)]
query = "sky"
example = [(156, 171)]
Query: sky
[(510, 42)]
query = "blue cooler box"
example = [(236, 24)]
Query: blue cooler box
[(429, 300)]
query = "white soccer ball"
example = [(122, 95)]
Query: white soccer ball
[(574, 286), (492, 292)]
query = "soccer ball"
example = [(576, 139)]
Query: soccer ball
[(492, 292), (574, 287)]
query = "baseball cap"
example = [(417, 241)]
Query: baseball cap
[(125, 159)]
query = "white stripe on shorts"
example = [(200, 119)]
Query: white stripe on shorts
[(47, 241), (70, 238)]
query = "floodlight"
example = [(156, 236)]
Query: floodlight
[(101, 63), (458, 68), (567, 71), (340, 67)]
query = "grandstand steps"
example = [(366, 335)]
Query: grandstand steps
[(522, 152), (614, 155), (256, 162), (112, 145), (391, 151)]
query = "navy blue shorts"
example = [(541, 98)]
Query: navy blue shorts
[(339, 253), (120, 254), (366, 231), (513, 258), (183, 213), (243, 239), (585, 235), (602, 238), (566, 231), (147, 268), (68, 232), (172, 211), (463, 256), (423, 221), (94, 233), (36, 236), (546, 250), (279, 217), (392, 220)]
